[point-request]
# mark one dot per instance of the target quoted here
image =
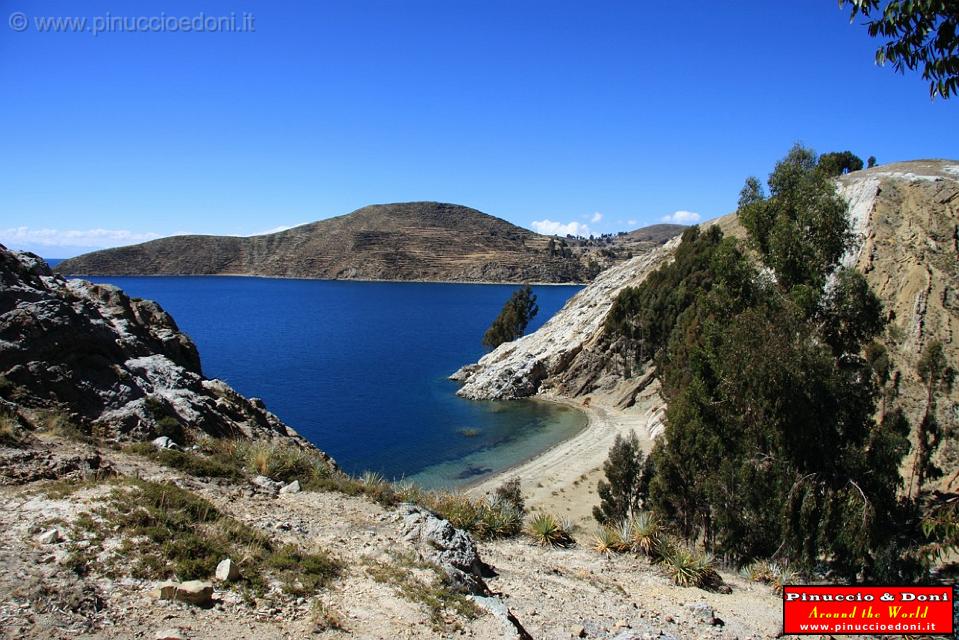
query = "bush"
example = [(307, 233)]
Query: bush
[(511, 492)]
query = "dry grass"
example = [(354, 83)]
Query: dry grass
[(445, 606)]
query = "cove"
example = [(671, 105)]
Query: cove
[(360, 368)]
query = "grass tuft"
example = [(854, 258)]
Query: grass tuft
[(169, 532), (445, 605)]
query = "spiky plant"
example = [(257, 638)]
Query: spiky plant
[(546, 529), (644, 533), (772, 573), (371, 479), (783, 577), (607, 540), (689, 567)]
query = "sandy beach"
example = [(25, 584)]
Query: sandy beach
[(562, 480)]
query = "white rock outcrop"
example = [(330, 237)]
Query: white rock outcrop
[(515, 369)]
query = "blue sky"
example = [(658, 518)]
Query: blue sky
[(610, 115)]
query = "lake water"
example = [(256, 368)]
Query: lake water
[(360, 368)]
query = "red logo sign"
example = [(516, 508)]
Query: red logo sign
[(817, 610)]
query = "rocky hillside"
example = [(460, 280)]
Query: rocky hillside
[(906, 219), (407, 241), (111, 366)]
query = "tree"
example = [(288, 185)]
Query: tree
[(871, 162), (839, 162), (513, 318), (771, 444), (937, 376), (621, 494), (918, 33), (802, 229)]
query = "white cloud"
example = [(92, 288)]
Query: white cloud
[(98, 238), (632, 222), (550, 228), (682, 217), (596, 217)]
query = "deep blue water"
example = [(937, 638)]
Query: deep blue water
[(360, 368)]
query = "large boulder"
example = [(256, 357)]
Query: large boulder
[(453, 550)]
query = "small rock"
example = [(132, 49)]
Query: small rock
[(621, 624), (578, 632), (163, 442), (512, 628), (701, 611), (169, 634), (270, 486), (50, 536), (293, 487), (227, 571), (196, 592)]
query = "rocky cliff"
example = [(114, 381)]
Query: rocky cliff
[(112, 366), (406, 241), (905, 217)]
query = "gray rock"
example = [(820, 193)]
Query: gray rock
[(116, 365), (169, 634), (164, 442), (227, 571), (196, 592), (293, 487), (511, 626), (269, 486), (50, 536), (701, 610), (452, 549)]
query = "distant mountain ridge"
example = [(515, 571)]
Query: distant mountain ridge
[(430, 241)]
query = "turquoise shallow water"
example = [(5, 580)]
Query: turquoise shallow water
[(360, 368)]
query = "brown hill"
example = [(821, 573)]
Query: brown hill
[(407, 241)]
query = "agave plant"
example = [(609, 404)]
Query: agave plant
[(608, 540), (644, 533), (547, 530), (372, 479), (784, 577), (688, 567)]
